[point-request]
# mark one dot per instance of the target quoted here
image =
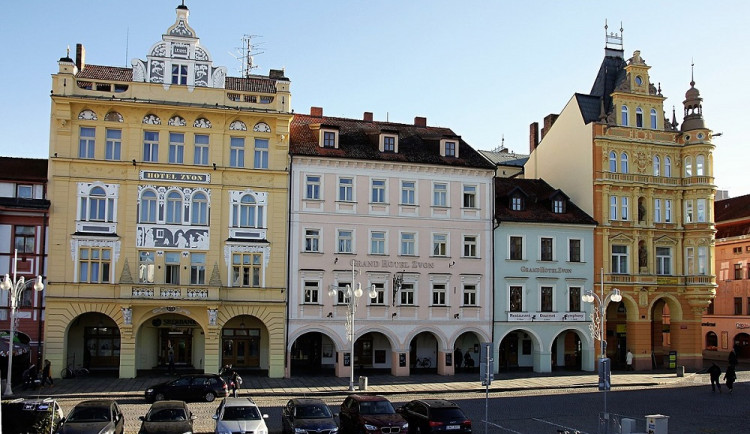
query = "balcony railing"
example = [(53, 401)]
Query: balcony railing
[(170, 293)]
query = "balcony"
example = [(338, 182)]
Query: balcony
[(171, 293)]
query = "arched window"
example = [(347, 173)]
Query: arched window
[(199, 209), (96, 207), (624, 116), (653, 119), (700, 167), (639, 117), (174, 208), (667, 167), (688, 166), (624, 163), (148, 207), (657, 166), (613, 162), (248, 214)]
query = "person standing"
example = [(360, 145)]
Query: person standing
[(733, 357), (629, 360), (458, 358), (468, 361), (47, 373), (715, 372), (170, 358), (235, 383), (730, 376)]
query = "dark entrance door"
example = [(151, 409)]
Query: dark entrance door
[(181, 341), (241, 348)]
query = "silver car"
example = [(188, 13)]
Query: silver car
[(239, 415)]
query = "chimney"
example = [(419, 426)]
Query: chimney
[(533, 136), (367, 117), (80, 57), (420, 121), (549, 120), (316, 111)]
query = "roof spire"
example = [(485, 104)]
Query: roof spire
[(692, 71)]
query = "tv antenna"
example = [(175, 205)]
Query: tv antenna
[(245, 54)]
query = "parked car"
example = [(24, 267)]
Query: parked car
[(167, 417), (96, 416), (239, 415), (305, 415), (192, 387), (435, 416), (370, 414), (30, 416)]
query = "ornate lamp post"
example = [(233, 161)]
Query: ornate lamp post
[(350, 297), (16, 288)]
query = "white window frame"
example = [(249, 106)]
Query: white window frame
[(438, 293), (197, 268), (200, 149), (379, 190), (408, 244), (657, 165), (470, 196), (346, 189), (653, 119), (176, 148), (440, 245), (261, 154), (313, 187), (701, 212), (620, 261), (408, 192), (378, 243), (470, 247), (237, 152), (440, 194), (624, 208), (657, 210), (151, 146), (624, 163), (663, 261), (310, 291), (668, 210), (344, 238), (312, 240), (613, 208), (199, 207), (113, 144), (469, 294), (87, 143)]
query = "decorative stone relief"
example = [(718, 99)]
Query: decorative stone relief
[(238, 126), (139, 70), (201, 75), (157, 71), (127, 315), (200, 54), (113, 117), (219, 76), (262, 127), (212, 313), (181, 29), (126, 277), (88, 115), (171, 309), (202, 123), (151, 119), (176, 121), (159, 50)]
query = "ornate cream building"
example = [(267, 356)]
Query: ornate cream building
[(169, 193)]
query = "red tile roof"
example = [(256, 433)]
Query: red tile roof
[(110, 73), (732, 209), (251, 84)]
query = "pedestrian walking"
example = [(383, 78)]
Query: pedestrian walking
[(715, 372), (47, 373), (730, 376), (733, 357), (629, 360), (468, 361), (235, 383), (458, 358)]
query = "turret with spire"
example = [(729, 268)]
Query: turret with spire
[(693, 103)]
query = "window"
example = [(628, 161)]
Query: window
[(197, 268), (24, 191), (470, 196), (86, 142), (701, 210), (690, 260), (176, 148), (668, 210), (470, 246), (613, 207), (408, 244), (516, 248), (438, 294), (663, 261), (145, 267), (312, 240), (199, 209), (439, 244), (174, 208), (200, 151), (738, 305), (407, 294), (346, 188), (237, 152), (344, 241), (312, 187), (612, 162), (624, 208), (545, 249), (97, 207), (440, 194), (25, 239), (653, 119), (737, 250), (378, 191), (737, 271), (700, 165), (172, 268), (341, 295), (248, 213), (379, 288), (151, 146), (546, 299), (619, 259), (148, 207), (657, 166), (657, 210), (574, 250), (624, 117), (246, 269), (688, 166), (312, 292), (470, 295), (574, 299), (450, 149), (408, 192), (261, 154), (329, 139), (516, 299), (702, 260), (94, 264), (689, 211), (667, 167), (377, 243), (516, 203), (558, 206), (639, 117), (624, 163), (113, 145), (179, 73), (389, 144)]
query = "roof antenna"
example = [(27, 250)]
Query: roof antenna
[(127, 45)]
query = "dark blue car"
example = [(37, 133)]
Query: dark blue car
[(306, 415)]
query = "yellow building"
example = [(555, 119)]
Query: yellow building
[(169, 191), (650, 186)]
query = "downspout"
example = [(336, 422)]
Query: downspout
[(287, 350), (494, 223), (42, 264)]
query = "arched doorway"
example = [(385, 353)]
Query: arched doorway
[(712, 341), (567, 351), (516, 351), (423, 351), (313, 353), (93, 342), (466, 343), (244, 344), (660, 333), (372, 354), (742, 345), (616, 334), (170, 332)]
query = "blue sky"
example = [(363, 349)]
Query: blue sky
[(486, 69)]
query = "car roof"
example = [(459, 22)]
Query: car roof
[(96, 403), (437, 403), (237, 402), (306, 401), (361, 397), (168, 404)]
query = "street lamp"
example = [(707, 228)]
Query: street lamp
[(16, 288), (351, 296)]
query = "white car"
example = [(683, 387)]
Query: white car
[(239, 415)]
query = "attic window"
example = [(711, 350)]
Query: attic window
[(389, 143), (558, 206), (449, 148), (329, 139), (516, 203)]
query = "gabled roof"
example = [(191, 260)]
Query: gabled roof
[(358, 139), (505, 158), (732, 209), (538, 203)]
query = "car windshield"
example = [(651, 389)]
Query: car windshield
[(27, 417), (376, 407), (89, 414), (241, 413), (313, 411), (167, 415)]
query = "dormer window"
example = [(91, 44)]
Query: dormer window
[(388, 142), (179, 74), (449, 148), (329, 139), (328, 136), (516, 203), (558, 205)]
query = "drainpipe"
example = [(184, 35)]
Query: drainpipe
[(287, 362)]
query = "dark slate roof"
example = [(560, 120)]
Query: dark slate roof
[(538, 203), (251, 84), (33, 170), (358, 139), (505, 158), (590, 107), (732, 209), (109, 73), (611, 73)]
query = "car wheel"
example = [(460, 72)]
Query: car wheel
[(209, 397), (159, 397)]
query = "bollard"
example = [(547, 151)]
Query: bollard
[(680, 371), (362, 382)]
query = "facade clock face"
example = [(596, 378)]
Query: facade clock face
[(638, 80)]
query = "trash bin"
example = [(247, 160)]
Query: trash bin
[(362, 382), (680, 371)]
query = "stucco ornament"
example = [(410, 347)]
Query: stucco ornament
[(127, 315), (212, 313)]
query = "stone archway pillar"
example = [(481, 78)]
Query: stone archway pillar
[(638, 336), (127, 353), (542, 361), (212, 351), (396, 368), (341, 370), (442, 368), (686, 339)]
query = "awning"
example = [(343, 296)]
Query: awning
[(20, 343)]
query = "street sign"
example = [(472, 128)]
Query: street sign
[(486, 364), (604, 373)]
